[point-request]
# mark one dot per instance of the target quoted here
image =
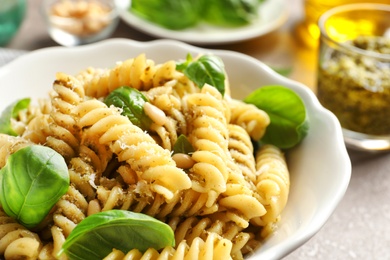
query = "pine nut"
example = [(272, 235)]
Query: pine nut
[(183, 161), (93, 207), (157, 115)]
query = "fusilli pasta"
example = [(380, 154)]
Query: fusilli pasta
[(220, 200)]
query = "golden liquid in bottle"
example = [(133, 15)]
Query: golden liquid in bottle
[(308, 32)]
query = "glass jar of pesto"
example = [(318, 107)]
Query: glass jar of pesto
[(354, 72)]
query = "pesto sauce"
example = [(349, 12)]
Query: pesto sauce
[(356, 88)]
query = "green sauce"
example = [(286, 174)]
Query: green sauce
[(356, 88)]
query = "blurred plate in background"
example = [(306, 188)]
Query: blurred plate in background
[(272, 14)]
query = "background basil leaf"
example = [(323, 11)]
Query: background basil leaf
[(32, 181), (172, 14), (178, 15), (287, 112), (131, 101), (10, 112), (96, 236), (231, 13), (207, 69)]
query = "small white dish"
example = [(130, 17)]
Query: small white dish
[(320, 168), (75, 22), (272, 14)]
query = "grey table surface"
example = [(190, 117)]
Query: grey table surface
[(359, 228)]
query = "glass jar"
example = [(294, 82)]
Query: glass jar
[(354, 72), (78, 22)]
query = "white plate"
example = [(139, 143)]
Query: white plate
[(272, 14), (320, 167)]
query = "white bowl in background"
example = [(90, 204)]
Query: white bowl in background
[(320, 167)]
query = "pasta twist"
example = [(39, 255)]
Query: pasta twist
[(20, 123), (241, 150), (9, 145), (185, 203), (217, 224), (209, 135), (240, 202), (70, 210), (88, 74), (85, 171), (16, 241), (272, 182), (151, 162), (214, 247), (58, 129), (68, 92), (163, 98), (252, 119), (139, 73)]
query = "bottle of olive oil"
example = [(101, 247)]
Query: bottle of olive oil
[(307, 30)]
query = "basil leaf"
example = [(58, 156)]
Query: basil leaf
[(287, 112), (32, 181), (231, 12), (181, 66), (10, 112), (283, 71), (131, 101), (95, 236), (172, 14), (207, 69), (182, 145)]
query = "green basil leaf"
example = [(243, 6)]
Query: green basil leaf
[(95, 236), (231, 12), (131, 101), (207, 69), (283, 71), (10, 112), (172, 14), (32, 181), (181, 66), (183, 145), (287, 112)]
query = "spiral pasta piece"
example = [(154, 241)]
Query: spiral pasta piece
[(186, 203), (209, 136), (150, 161), (163, 98), (240, 202), (241, 150), (58, 129), (214, 247), (67, 93), (139, 73), (84, 76), (16, 241), (252, 119), (9, 145), (24, 116), (43, 130), (70, 210), (273, 182)]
